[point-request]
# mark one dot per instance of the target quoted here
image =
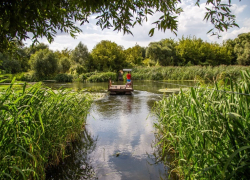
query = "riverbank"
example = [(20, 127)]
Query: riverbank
[(167, 73), (36, 127), (206, 73), (207, 130)]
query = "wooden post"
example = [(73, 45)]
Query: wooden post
[(110, 83)]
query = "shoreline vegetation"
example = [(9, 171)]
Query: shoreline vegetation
[(166, 73), (207, 131), (30, 116)]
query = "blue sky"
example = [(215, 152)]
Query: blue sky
[(190, 23)]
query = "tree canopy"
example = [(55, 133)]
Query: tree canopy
[(46, 18), (163, 52), (134, 55), (108, 56), (242, 48), (44, 63)]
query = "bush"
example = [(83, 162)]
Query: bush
[(11, 66), (44, 63), (102, 77), (64, 64), (208, 73), (64, 78), (36, 126), (207, 131), (83, 77), (30, 77), (78, 69)]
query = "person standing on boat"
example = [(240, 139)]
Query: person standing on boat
[(128, 79)]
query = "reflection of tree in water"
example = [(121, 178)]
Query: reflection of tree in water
[(77, 165)]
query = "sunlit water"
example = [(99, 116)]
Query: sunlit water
[(119, 140)]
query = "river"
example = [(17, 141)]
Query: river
[(119, 140)]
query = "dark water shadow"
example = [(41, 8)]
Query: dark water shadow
[(77, 165)]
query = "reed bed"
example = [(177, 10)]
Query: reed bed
[(36, 124), (102, 77), (207, 132), (208, 73)]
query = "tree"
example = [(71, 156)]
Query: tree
[(63, 53), (163, 52), (242, 48), (134, 55), (80, 54), (45, 18), (64, 64), (108, 56), (80, 59), (44, 63), (9, 65), (15, 61), (194, 51), (229, 45), (189, 50), (32, 49)]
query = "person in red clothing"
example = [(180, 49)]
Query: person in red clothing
[(128, 79)]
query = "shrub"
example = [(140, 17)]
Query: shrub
[(64, 78), (207, 131), (78, 69), (30, 77), (102, 77), (207, 73), (83, 77), (36, 126), (44, 63), (64, 64)]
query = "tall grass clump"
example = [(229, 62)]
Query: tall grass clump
[(208, 73), (64, 78), (207, 131), (102, 77), (36, 124)]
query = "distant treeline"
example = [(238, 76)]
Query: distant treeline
[(107, 56)]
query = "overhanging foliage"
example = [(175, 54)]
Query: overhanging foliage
[(44, 18)]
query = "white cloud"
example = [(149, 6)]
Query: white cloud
[(236, 10), (246, 22), (190, 22)]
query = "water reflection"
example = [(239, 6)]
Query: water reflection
[(125, 130), (139, 85), (122, 143), (78, 164)]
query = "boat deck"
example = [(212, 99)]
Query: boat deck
[(120, 89)]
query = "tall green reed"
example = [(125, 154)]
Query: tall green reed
[(36, 124), (208, 131), (102, 77), (208, 73)]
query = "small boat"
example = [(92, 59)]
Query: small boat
[(121, 89)]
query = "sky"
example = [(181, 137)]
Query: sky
[(190, 23)]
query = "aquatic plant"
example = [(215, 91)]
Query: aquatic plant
[(64, 78), (207, 131), (36, 124), (102, 77), (207, 73)]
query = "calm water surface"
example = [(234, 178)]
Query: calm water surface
[(119, 140)]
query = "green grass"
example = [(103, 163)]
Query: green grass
[(101, 77), (207, 131), (207, 73), (35, 127)]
